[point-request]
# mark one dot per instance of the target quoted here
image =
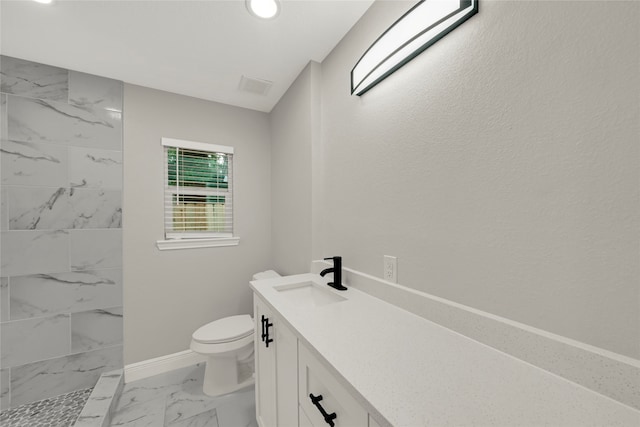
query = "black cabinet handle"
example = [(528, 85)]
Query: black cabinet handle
[(328, 418), (265, 330), (267, 325)]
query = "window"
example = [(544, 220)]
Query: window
[(198, 195)]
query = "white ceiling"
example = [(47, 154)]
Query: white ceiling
[(195, 48)]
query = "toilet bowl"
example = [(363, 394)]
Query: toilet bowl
[(228, 346)]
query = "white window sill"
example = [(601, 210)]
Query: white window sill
[(169, 245)]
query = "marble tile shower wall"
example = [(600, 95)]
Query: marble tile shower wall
[(60, 227)]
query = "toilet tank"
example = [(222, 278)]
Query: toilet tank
[(269, 274)]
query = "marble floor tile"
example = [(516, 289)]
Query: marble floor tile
[(90, 91), (40, 380), (32, 340), (40, 121), (205, 419), (34, 80), (85, 254), (34, 251), (95, 329), (31, 163), (161, 385), (147, 414), (5, 388), (95, 168), (45, 294), (185, 405), (239, 412)]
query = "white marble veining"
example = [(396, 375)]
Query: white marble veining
[(154, 387), (85, 254), (95, 329), (46, 294), (38, 208), (30, 163), (183, 402), (36, 120), (50, 208), (5, 387), (4, 299), (147, 414), (205, 419), (33, 80), (52, 377), (60, 211), (101, 402), (31, 340), (3, 117), (95, 208), (613, 375), (4, 210), (95, 168), (34, 252), (91, 92), (407, 371)]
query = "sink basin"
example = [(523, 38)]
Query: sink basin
[(308, 294)]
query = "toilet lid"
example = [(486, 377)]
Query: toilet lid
[(224, 330)]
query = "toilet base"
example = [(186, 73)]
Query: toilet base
[(222, 376)]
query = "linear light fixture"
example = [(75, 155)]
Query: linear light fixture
[(423, 25)]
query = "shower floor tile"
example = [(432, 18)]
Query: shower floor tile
[(59, 411)]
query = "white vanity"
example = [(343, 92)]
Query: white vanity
[(325, 357)]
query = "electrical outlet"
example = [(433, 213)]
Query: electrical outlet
[(391, 268)]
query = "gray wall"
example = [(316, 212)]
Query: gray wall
[(169, 294), (294, 134), (500, 166), (61, 240)]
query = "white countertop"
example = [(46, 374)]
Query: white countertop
[(408, 371)]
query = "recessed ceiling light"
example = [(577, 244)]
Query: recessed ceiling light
[(44, 1), (265, 9)]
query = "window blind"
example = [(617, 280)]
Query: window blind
[(198, 190)]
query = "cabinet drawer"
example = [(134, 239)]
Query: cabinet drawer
[(314, 379)]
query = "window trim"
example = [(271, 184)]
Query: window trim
[(173, 240)]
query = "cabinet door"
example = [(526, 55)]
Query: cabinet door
[(286, 375), (276, 369), (265, 355), (317, 383)]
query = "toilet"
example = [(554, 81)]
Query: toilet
[(228, 346)]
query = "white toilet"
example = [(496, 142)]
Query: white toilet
[(228, 345)]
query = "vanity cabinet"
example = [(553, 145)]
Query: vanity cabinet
[(276, 369), (293, 388), (323, 401)]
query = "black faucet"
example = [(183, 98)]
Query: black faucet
[(337, 273)]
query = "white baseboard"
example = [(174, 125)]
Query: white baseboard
[(160, 365)]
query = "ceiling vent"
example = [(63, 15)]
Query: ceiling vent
[(255, 86)]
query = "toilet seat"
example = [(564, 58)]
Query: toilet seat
[(225, 330)]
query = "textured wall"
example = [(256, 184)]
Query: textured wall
[(61, 240), (500, 166), (291, 175), (169, 294)]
